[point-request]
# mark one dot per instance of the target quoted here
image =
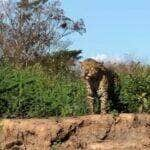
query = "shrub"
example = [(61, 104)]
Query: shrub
[(135, 88), (34, 92), (30, 92)]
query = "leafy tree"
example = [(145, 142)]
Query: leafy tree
[(60, 62), (36, 28)]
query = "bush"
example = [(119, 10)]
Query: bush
[(34, 92), (135, 89), (30, 92)]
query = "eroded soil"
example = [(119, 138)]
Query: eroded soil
[(92, 132)]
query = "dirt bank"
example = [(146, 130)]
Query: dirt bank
[(92, 132)]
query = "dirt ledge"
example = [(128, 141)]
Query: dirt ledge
[(92, 132)]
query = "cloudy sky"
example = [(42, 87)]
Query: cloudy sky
[(114, 27)]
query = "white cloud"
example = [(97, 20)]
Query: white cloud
[(114, 59), (101, 57)]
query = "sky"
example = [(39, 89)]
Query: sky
[(115, 29)]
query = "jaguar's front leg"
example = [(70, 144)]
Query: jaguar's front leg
[(103, 94), (90, 98)]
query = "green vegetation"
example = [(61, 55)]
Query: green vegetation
[(33, 92), (37, 73), (135, 88), (37, 79), (30, 92)]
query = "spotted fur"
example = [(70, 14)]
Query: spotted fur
[(97, 83)]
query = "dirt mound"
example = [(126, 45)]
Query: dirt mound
[(92, 132)]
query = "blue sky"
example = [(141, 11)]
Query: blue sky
[(114, 27)]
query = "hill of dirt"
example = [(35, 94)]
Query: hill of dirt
[(92, 132)]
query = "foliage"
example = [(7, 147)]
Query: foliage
[(40, 80), (58, 62), (30, 92), (31, 28), (135, 88)]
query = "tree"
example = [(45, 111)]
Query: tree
[(36, 28), (59, 62)]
